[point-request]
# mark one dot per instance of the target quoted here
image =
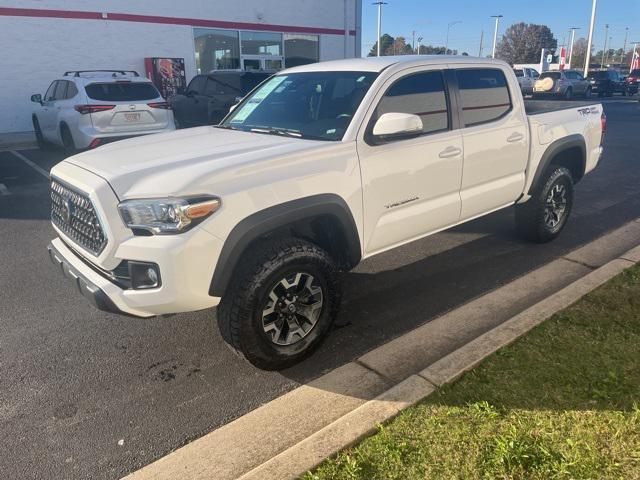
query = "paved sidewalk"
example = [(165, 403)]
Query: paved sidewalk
[(17, 141)]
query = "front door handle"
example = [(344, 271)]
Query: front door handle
[(515, 137), (450, 152)]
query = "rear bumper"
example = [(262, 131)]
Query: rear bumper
[(83, 137)]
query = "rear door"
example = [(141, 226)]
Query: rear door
[(495, 135), (128, 107)]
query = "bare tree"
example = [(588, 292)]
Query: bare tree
[(523, 43)]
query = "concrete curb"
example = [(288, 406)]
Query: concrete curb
[(293, 433), (352, 427)]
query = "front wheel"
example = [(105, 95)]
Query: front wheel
[(544, 215), (281, 303)]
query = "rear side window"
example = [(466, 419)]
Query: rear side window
[(217, 86), (421, 94), (519, 73), (484, 95), (122, 92), (251, 81), (72, 91)]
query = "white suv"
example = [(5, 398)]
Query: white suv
[(87, 108)]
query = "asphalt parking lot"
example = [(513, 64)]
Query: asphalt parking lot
[(84, 394)]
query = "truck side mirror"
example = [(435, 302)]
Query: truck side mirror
[(36, 98), (396, 125)]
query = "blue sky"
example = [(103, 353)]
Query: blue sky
[(429, 18)]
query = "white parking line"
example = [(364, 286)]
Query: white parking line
[(38, 169), (4, 190)]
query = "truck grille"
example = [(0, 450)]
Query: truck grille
[(74, 214)]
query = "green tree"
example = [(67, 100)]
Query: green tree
[(523, 43), (385, 42), (431, 50), (399, 47)]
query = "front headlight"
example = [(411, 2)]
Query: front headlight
[(165, 216)]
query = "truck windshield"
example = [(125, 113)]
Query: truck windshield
[(312, 105)]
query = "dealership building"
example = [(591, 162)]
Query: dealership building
[(41, 39)]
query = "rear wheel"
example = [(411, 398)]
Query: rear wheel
[(568, 95), (67, 139), (544, 215), (42, 143), (281, 303)]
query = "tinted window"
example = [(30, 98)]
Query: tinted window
[(484, 95), (552, 75), (314, 105), (421, 94), (197, 85), (252, 80), (519, 73), (72, 91), (122, 92), (598, 75), (532, 73), (221, 86), (61, 90), (49, 96)]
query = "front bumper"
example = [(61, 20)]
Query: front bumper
[(186, 271)]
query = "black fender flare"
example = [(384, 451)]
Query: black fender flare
[(264, 221), (557, 147)]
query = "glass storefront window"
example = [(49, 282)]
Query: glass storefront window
[(216, 49), (301, 49), (261, 43)]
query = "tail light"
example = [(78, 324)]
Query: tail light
[(603, 124), (162, 105), (84, 109), (95, 143)]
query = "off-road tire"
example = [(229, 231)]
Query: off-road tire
[(241, 309), (530, 216)]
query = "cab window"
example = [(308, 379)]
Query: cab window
[(196, 87), (61, 90), (421, 94), (484, 95)]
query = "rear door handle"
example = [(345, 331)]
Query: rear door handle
[(515, 137), (450, 152)]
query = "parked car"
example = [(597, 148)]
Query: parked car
[(321, 166), (606, 82), (87, 108), (208, 98), (526, 78), (563, 84), (633, 81)]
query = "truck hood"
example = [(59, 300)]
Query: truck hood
[(175, 163)]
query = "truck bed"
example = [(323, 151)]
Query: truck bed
[(535, 107)]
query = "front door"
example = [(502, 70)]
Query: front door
[(411, 186)]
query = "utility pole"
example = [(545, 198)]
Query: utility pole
[(590, 41), (446, 43), (624, 48), (379, 4), (573, 36), (481, 42), (495, 34), (413, 41), (606, 37)]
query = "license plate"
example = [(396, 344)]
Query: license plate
[(132, 117)]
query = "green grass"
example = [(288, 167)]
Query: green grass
[(563, 402)]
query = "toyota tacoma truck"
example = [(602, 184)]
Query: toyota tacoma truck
[(318, 168)]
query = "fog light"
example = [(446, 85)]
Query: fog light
[(144, 275)]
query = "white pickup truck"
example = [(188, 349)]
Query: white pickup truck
[(318, 168)]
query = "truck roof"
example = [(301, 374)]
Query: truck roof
[(377, 64)]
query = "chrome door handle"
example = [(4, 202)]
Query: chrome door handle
[(515, 137), (450, 152)]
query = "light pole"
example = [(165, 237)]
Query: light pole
[(481, 42), (446, 44), (379, 4), (624, 48), (573, 36), (590, 41), (495, 34), (419, 43), (604, 50)]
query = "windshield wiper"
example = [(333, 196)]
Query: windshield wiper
[(276, 131)]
